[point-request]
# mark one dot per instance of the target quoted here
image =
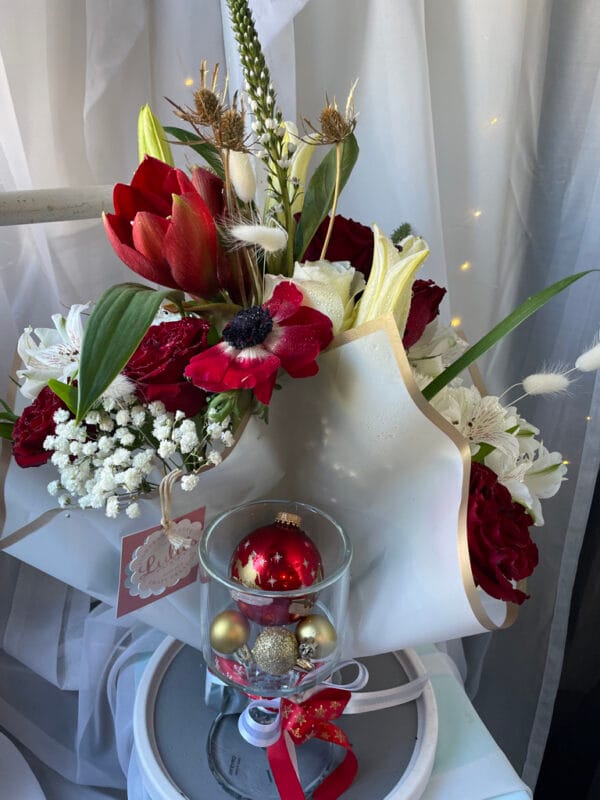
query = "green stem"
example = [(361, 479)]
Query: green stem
[(289, 221)]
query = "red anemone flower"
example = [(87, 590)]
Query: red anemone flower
[(163, 229), (258, 340)]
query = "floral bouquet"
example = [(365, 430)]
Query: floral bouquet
[(259, 276)]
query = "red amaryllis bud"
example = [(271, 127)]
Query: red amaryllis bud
[(210, 188), (163, 229)]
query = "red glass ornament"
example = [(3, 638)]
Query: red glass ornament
[(277, 558)]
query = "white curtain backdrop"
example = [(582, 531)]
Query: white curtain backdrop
[(479, 124)]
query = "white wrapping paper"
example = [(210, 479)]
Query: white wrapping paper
[(356, 440)]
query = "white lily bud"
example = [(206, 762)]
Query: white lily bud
[(546, 383), (242, 175), (271, 239), (590, 360)]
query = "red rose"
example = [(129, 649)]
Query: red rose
[(350, 241), (498, 533), (157, 365), (35, 423), (424, 308)]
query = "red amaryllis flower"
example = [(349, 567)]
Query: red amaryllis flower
[(163, 229), (157, 365), (498, 533), (350, 241), (258, 340), (35, 423), (424, 308)]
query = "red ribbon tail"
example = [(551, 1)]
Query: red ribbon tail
[(282, 767), (340, 779)]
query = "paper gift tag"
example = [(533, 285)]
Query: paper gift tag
[(152, 568)]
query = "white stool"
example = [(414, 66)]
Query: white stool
[(395, 746)]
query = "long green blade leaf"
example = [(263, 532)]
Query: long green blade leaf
[(519, 315), (8, 413), (205, 149), (66, 392), (114, 330), (318, 198), (6, 430)]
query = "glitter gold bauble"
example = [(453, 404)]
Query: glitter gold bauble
[(316, 636), (229, 631), (275, 651)]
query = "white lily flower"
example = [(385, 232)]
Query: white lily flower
[(388, 289), (54, 355)]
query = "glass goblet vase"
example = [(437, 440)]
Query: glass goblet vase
[(275, 579)]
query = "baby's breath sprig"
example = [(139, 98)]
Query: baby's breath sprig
[(268, 126)]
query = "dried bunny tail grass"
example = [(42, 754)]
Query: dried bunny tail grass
[(271, 239), (589, 361), (550, 382), (241, 175)]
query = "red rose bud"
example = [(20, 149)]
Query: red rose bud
[(350, 241), (500, 548), (163, 229), (424, 308), (35, 423), (158, 364)]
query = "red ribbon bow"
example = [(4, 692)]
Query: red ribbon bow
[(301, 722)]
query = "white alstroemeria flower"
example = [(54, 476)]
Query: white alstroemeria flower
[(530, 480), (481, 420), (327, 286), (438, 347), (388, 289), (54, 355), (528, 444)]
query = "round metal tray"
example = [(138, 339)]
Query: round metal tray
[(395, 746)]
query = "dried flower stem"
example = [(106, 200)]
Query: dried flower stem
[(336, 194)]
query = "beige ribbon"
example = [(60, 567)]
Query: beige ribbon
[(165, 492)]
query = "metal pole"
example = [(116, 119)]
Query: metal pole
[(54, 205)]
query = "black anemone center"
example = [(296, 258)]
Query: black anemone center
[(248, 328)]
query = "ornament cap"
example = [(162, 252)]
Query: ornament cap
[(287, 518)]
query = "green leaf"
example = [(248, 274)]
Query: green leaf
[(205, 149), (114, 330), (519, 315), (6, 430), (484, 450), (318, 198), (66, 392), (8, 413)]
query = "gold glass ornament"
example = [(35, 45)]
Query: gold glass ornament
[(316, 636), (275, 650), (229, 631)]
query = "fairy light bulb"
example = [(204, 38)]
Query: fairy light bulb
[(477, 213), (466, 265), (189, 81), (455, 322)]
